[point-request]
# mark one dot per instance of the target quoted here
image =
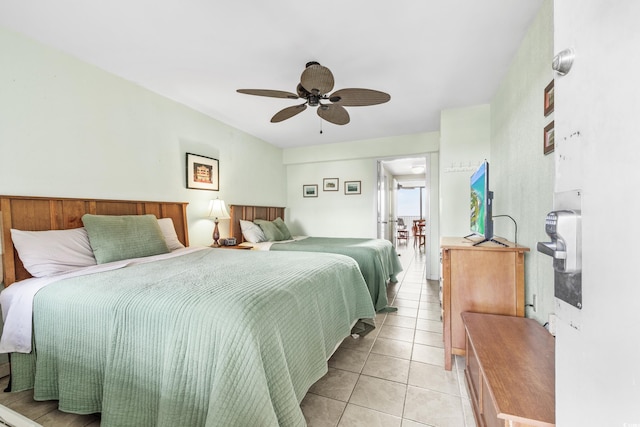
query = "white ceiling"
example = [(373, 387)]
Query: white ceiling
[(409, 171), (428, 55)]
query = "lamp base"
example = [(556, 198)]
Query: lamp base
[(216, 236)]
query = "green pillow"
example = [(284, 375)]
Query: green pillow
[(117, 237), (271, 232), (283, 228)]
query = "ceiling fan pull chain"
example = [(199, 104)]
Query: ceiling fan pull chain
[(320, 126)]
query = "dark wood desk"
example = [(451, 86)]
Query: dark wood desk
[(510, 371)]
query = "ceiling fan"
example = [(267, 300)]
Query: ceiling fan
[(316, 82)]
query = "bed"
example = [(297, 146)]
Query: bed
[(194, 336), (377, 258)]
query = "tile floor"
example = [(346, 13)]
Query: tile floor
[(395, 375)]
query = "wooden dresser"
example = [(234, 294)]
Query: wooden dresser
[(510, 371), (486, 279)]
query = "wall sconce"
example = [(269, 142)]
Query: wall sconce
[(217, 210)]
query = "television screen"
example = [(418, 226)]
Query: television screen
[(480, 215)]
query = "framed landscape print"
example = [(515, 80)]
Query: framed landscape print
[(310, 190), (352, 187), (548, 99), (202, 172), (330, 184), (549, 140)]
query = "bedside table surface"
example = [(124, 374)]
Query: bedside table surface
[(235, 247)]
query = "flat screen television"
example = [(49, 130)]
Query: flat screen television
[(481, 218)]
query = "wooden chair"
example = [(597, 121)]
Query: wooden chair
[(402, 232), (419, 236)]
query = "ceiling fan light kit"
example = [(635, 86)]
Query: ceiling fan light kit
[(316, 82)]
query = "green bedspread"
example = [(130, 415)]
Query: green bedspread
[(213, 338), (377, 258)]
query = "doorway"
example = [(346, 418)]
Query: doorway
[(403, 193)]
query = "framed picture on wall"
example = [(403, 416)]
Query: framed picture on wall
[(352, 187), (548, 99), (310, 190), (202, 172), (330, 184), (549, 141)]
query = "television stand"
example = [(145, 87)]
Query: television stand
[(484, 240), (491, 240)]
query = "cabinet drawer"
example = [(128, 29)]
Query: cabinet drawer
[(473, 373), (489, 413)]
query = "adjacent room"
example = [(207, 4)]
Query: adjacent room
[(338, 214)]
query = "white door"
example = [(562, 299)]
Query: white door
[(384, 228)]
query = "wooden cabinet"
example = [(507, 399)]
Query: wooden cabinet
[(510, 371), (486, 279)]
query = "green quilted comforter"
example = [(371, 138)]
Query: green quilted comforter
[(377, 258), (212, 338)]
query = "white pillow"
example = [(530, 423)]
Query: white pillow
[(169, 233), (252, 232), (46, 253)]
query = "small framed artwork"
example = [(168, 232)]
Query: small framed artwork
[(202, 172), (548, 99), (330, 184), (352, 187), (549, 143), (310, 190)]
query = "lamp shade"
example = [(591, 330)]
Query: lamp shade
[(218, 210)]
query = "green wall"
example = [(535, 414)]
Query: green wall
[(337, 214), (522, 176), (464, 145), (507, 132), (70, 129)]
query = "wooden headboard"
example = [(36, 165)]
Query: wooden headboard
[(55, 213), (250, 213)]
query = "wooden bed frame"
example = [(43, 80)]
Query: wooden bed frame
[(56, 213), (251, 213)]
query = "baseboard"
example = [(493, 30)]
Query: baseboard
[(11, 418)]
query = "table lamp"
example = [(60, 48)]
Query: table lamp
[(217, 210)]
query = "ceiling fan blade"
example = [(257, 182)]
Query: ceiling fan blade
[(268, 92), (358, 97), (317, 79), (333, 113), (288, 112)]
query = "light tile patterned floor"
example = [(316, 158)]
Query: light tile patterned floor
[(395, 375)]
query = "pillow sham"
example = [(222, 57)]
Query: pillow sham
[(272, 233), (51, 252), (283, 228), (252, 232), (118, 237), (169, 233)]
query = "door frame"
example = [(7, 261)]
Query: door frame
[(426, 205)]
